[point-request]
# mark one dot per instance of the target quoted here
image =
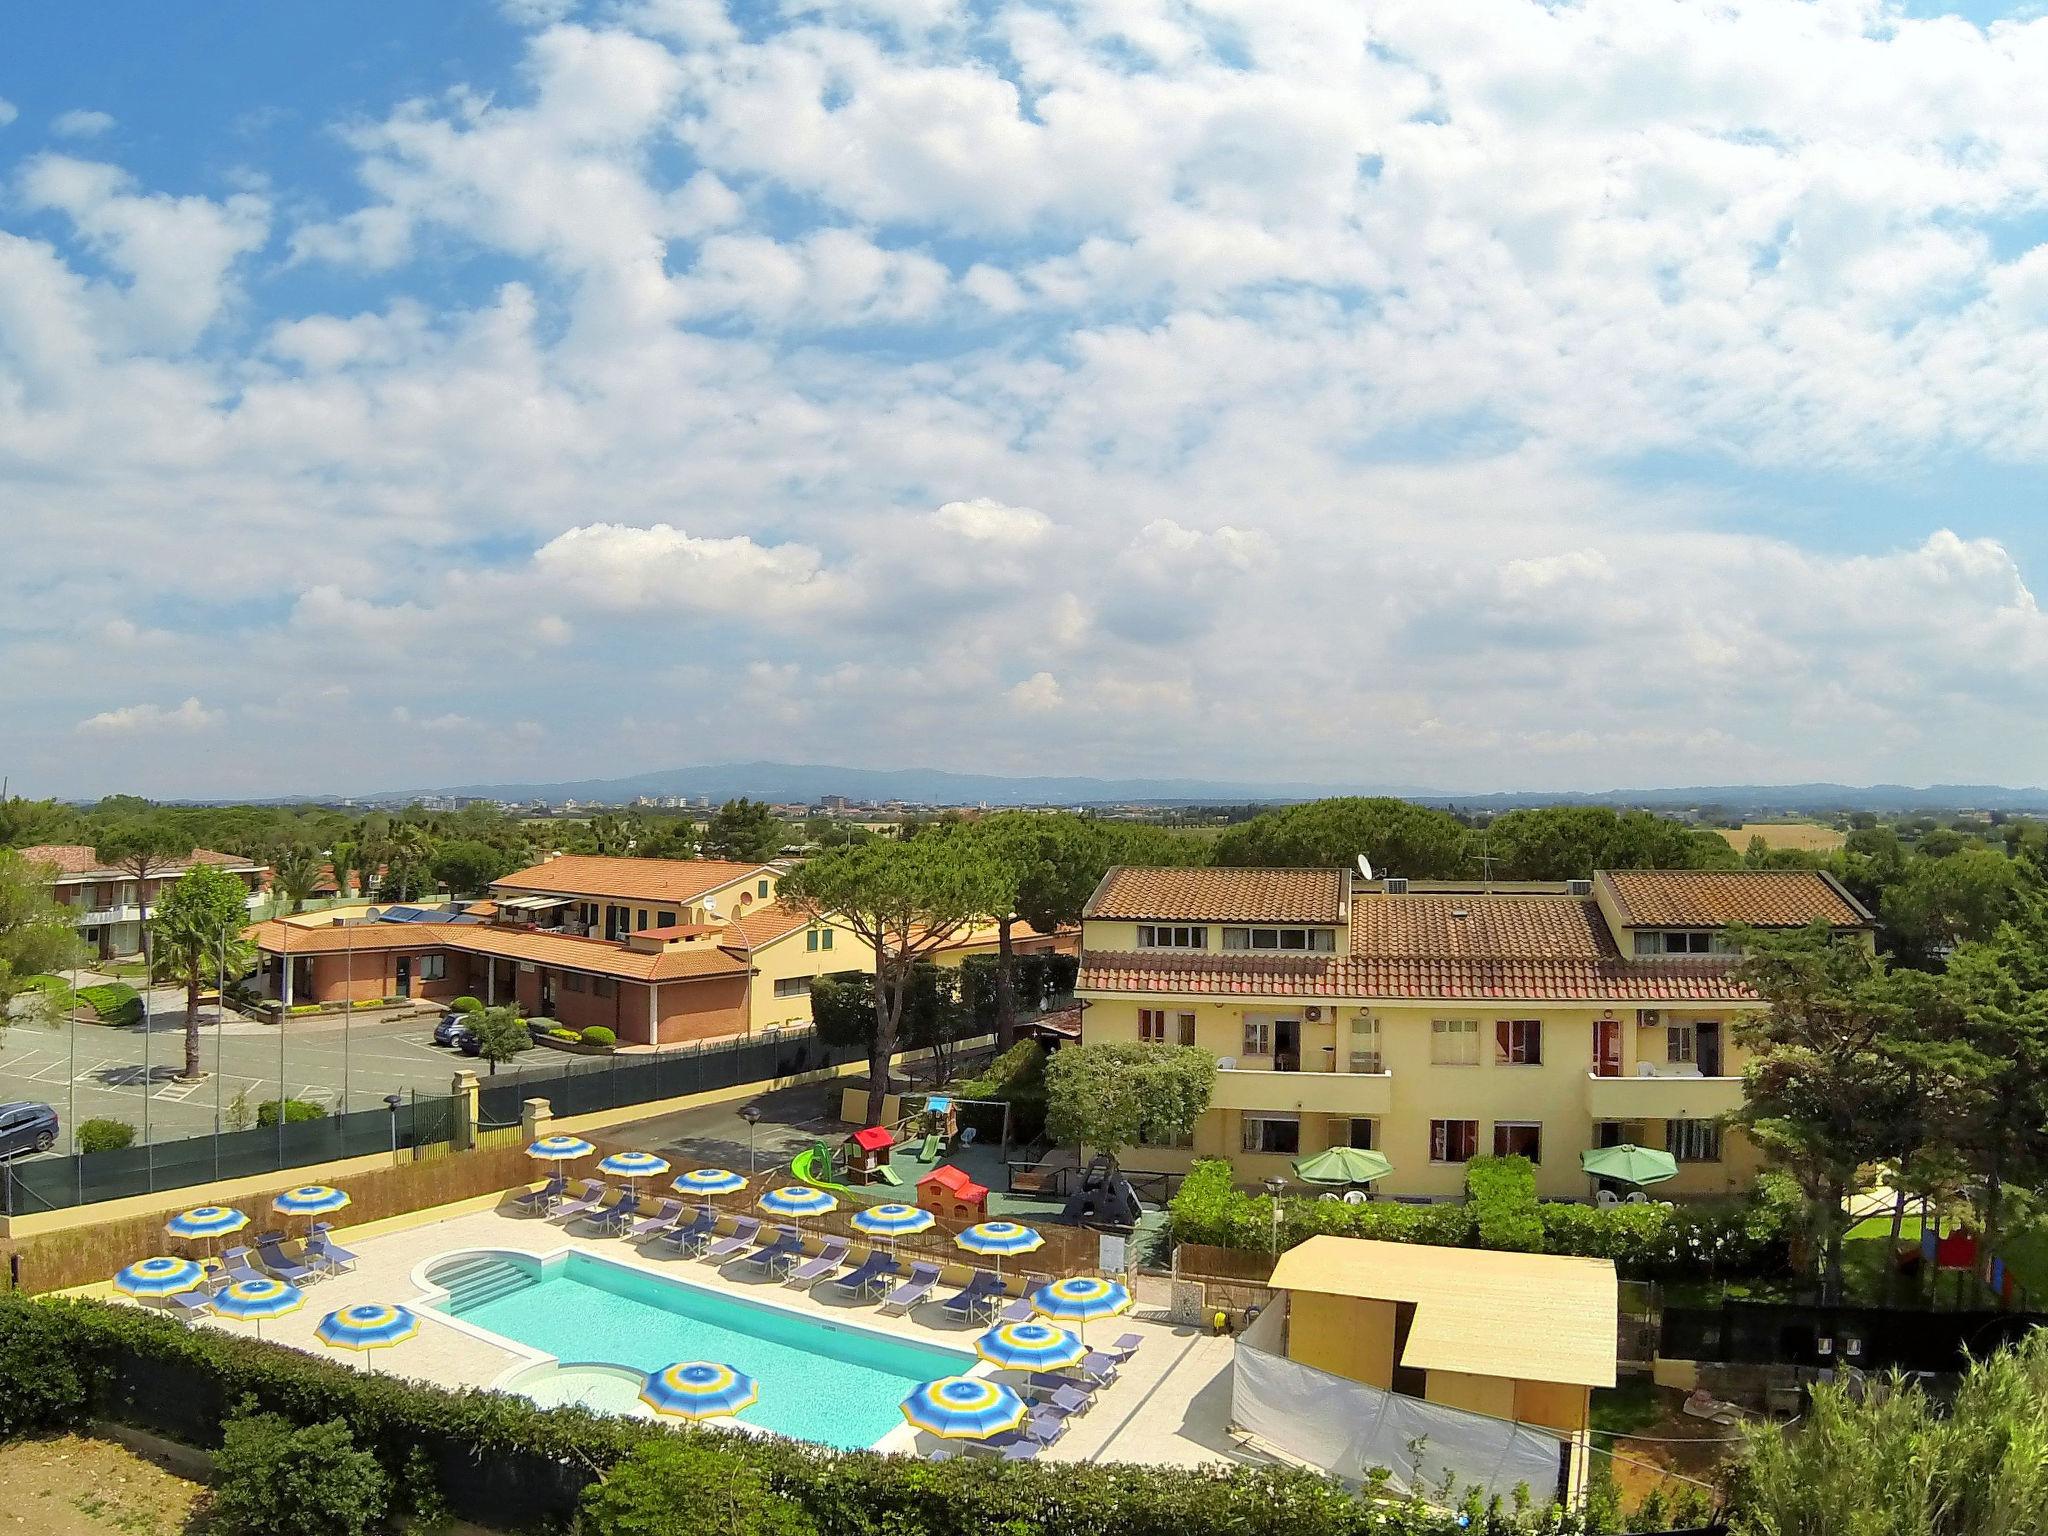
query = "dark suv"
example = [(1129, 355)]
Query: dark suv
[(453, 1028), (27, 1127)]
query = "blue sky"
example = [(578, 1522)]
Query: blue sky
[(1516, 396)]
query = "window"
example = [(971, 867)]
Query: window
[(664, 919), (1316, 940), (761, 889), (432, 967), (603, 986), (1518, 1138), (1454, 1042), (1693, 1141), (1159, 936), (811, 939), (640, 920), (1152, 1024), (793, 986), (1365, 1044), (1258, 1038), (571, 982), (1679, 1042), (825, 939), (1518, 1042), (818, 938), (1453, 1141), (1272, 1133), (1358, 1132), (1185, 1028)]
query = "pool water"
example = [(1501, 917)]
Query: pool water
[(819, 1381)]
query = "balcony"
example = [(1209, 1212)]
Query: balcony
[(1329, 1093), (98, 916), (1662, 1097)]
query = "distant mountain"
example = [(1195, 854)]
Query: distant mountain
[(809, 782)]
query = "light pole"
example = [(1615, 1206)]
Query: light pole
[(753, 1118), (1274, 1187), (391, 1102)]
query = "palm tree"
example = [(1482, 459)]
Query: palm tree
[(296, 873), (343, 858), (406, 857), (612, 835), (197, 931)]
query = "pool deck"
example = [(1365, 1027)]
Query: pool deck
[(1170, 1404)]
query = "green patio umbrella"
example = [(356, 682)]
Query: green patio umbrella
[(1343, 1165), (1627, 1164)]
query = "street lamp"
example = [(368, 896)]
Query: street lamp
[(391, 1102), (753, 1118), (1274, 1187)]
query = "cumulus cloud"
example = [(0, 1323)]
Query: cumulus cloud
[(8, 112), (985, 520), (151, 719), (80, 123), (624, 569)]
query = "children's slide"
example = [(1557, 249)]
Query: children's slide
[(812, 1165), (929, 1152), (887, 1174)]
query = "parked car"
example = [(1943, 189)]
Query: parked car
[(469, 1043), (453, 1028), (27, 1127)]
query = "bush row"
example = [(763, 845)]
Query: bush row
[(114, 1002), (496, 1457), (1645, 1242)]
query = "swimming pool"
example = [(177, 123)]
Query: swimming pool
[(827, 1382)]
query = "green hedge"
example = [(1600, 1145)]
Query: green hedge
[(467, 1004), (101, 1134), (494, 1455), (115, 1002), (295, 1111), (1653, 1241), (597, 1034)]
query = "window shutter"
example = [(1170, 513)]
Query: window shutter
[(1503, 1040)]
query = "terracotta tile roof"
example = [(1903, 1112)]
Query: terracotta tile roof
[(1712, 898), (1396, 978), (764, 924), (598, 956), (1220, 895), (1494, 927), (603, 878), (75, 860)]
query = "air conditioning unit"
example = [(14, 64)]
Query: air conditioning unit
[(1397, 885), (1650, 1017), (1313, 1015), (1578, 887)]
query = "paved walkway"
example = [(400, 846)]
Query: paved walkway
[(1170, 1405)]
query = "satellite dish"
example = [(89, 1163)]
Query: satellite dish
[(711, 905), (1365, 866)]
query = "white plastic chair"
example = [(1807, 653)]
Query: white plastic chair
[(1606, 1198), (1356, 1197), (1636, 1197)]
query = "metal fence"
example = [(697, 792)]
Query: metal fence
[(54, 1183), (1868, 1338)]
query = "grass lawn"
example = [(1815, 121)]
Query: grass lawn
[(1627, 1408)]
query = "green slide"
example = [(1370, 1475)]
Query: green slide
[(887, 1174), (929, 1152), (812, 1165)]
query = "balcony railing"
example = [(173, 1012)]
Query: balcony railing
[(1662, 1097), (1250, 1084)]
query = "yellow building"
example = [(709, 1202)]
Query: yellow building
[(787, 947), (1434, 1022), (1516, 1336), (595, 896)]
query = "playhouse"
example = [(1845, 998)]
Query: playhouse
[(951, 1195), (867, 1156)]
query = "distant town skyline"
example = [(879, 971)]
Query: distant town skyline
[(1503, 395)]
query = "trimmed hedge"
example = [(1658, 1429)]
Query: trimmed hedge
[(295, 1111), (115, 1002), (597, 1034), (105, 1135), (1646, 1242), (498, 1458), (467, 1004)]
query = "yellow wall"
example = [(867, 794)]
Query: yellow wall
[(791, 958), (1554, 1404), (1490, 1395), (1343, 1335)]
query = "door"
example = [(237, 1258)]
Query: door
[(1607, 1047), (404, 984), (1707, 1047), (547, 994), (1286, 1045)]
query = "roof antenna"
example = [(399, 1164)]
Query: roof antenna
[(1365, 866)]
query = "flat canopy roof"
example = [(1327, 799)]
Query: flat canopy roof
[(1527, 1316)]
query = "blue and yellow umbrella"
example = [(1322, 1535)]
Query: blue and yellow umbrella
[(367, 1325), (999, 1238), (254, 1300), (634, 1165), (206, 1221), (798, 1200), (310, 1200), (1030, 1347), (894, 1219), (707, 1181), (698, 1389), (559, 1149), (1081, 1297), (963, 1408), (158, 1277)]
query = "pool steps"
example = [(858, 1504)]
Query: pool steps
[(477, 1278)]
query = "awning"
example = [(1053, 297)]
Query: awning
[(534, 903)]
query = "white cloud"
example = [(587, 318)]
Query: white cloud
[(81, 123), (624, 569), (151, 719), (985, 520), (1038, 694), (8, 112)]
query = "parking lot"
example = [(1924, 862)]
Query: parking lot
[(88, 1071)]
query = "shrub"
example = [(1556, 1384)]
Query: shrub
[(295, 1111), (683, 1488), (597, 1034), (40, 1384), (467, 1004), (104, 1135), (113, 1002), (299, 1008), (271, 1479), (1502, 1192), (559, 1033)]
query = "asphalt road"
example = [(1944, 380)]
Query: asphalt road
[(89, 1070)]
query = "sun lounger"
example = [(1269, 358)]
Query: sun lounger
[(239, 1264), (943, 1453), (924, 1279), (274, 1260), (979, 1293), (1010, 1447), (1052, 1385), (1044, 1427), (1019, 1311), (330, 1256), (666, 1216), (830, 1256), (742, 1234), (189, 1304), (786, 1246), (537, 1202), (620, 1216), (1021, 1450), (588, 1197), (687, 1239), (875, 1271), (1098, 1367), (1122, 1350)]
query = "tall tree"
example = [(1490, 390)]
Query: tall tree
[(295, 873), (36, 934), (1567, 842), (1942, 901), (1851, 1064), (1116, 1093), (143, 848), (342, 857), (1400, 838), (612, 835), (406, 855), (465, 867), (904, 901), (197, 928), (744, 830)]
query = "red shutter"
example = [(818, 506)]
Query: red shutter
[(1503, 1040)]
